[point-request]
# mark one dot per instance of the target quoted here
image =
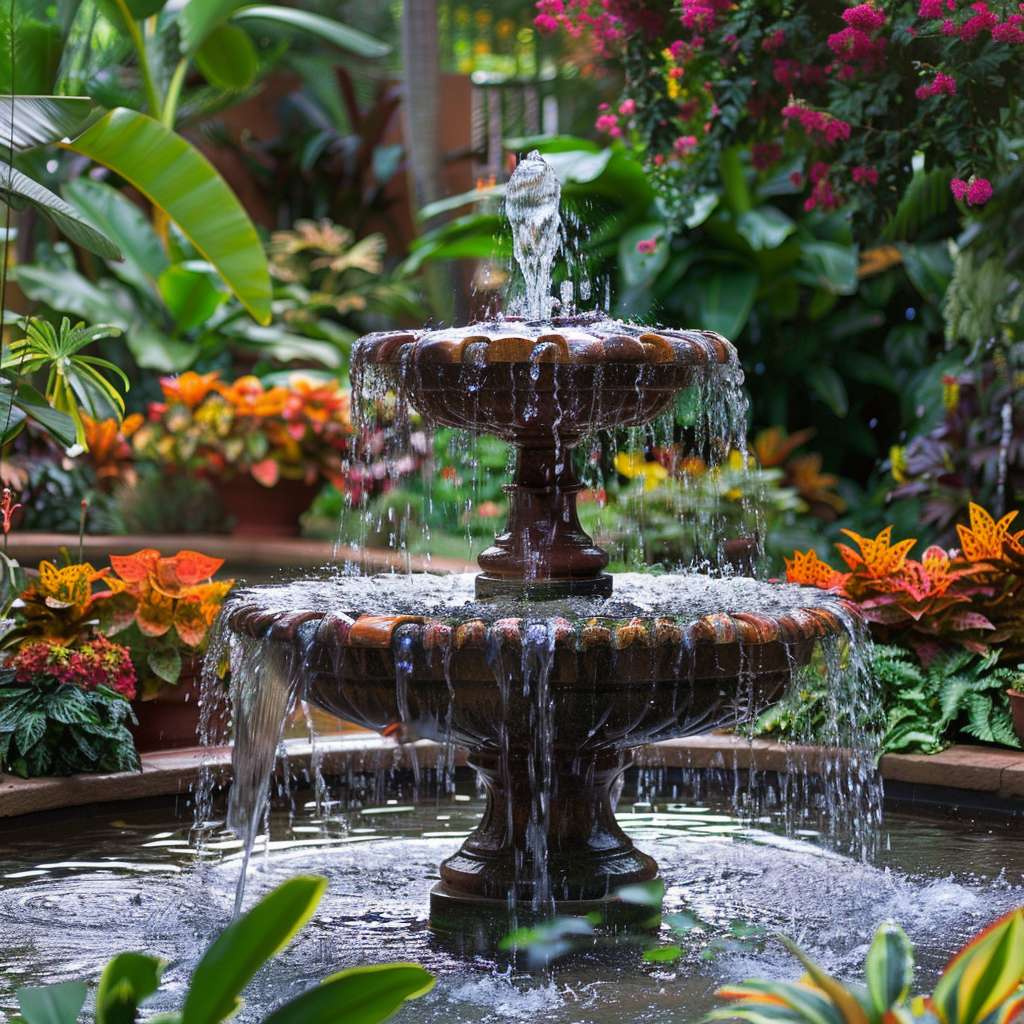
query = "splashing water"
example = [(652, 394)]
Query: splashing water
[(532, 200)]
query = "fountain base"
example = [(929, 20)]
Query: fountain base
[(484, 923)]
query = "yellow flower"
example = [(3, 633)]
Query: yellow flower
[(634, 465)]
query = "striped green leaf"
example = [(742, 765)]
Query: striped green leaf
[(984, 974), (889, 968)]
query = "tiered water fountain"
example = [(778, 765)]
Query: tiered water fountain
[(545, 667)]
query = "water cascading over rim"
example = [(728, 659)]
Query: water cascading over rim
[(547, 674)]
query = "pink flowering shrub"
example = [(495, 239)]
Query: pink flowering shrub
[(863, 87)]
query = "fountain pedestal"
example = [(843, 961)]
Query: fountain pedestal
[(563, 847), (543, 551)]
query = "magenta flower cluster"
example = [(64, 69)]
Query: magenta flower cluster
[(941, 85), (975, 192), (96, 662), (830, 128)]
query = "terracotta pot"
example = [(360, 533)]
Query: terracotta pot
[(170, 720), (1017, 708), (258, 511)]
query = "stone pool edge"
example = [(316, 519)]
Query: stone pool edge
[(981, 776)]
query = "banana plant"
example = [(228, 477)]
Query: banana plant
[(982, 984), (141, 146), (171, 307), (360, 995)]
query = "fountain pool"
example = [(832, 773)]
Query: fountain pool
[(128, 880)]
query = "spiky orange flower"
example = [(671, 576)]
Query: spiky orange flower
[(877, 557), (809, 569), (190, 388), (985, 539)]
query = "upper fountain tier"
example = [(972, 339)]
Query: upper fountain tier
[(542, 384)]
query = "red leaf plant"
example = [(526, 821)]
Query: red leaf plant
[(973, 597)]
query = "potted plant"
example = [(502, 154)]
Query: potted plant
[(159, 608), (265, 448), (64, 686)]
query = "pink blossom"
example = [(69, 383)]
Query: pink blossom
[(697, 16), (819, 171), (796, 178), (627, 107), (979, 192), (865, 175), (773, 42), (943, 84), (1008, 33), (958, 187), (606, 122), (864, 17), (934, 8), (647, 246), (949, 28), (984, 19), (679, 51), (546, 24), (922, 92), (685, 144), (659, 159)]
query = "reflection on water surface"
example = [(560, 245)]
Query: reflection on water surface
[(78, 892)]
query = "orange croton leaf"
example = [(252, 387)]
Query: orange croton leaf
[(773, 446), (155, 616), (808, 568), (190, 388), (983, 540), (266, 472), (171, 576), (135, 568), (876, 556), (195, 611), (68, 587)]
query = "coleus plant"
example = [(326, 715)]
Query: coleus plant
[(980, 985), (971, 596)]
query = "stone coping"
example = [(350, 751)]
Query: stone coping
[(965, 769), (29, 548)]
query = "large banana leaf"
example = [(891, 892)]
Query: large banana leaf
[(342, 36), (199, 18), (178, 179), (30, 121), (14, 183), (33, 34), (145, 259)]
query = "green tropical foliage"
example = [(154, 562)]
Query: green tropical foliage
[(360, 995), (74, 382), (926, 709), (49, 727)]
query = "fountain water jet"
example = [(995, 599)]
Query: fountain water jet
[(544, 666)]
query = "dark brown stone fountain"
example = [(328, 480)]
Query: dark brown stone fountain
[(545, 667)]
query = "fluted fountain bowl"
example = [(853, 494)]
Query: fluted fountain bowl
[(543, 384), (548, 698)]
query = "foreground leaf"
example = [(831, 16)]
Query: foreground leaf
[(244, 946), (52, 1004), (361, 995)]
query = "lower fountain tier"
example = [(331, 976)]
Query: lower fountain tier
[(548, 708)]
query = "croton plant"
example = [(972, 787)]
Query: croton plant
[(159, 607), (971, 597)]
